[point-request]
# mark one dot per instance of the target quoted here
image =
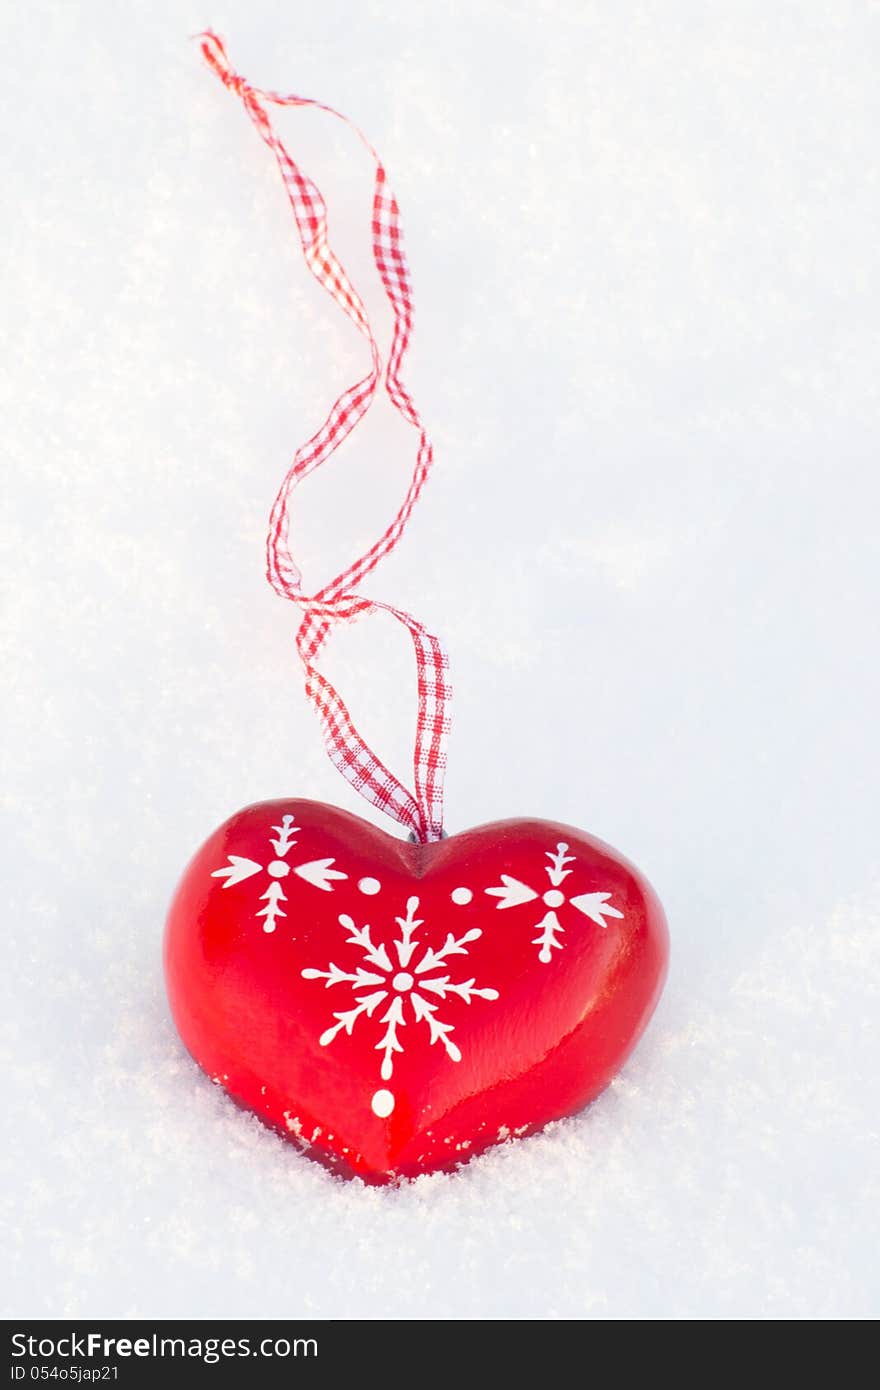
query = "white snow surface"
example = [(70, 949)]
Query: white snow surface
[(645, 252)]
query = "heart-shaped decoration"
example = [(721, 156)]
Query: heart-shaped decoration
[(396, 1008)]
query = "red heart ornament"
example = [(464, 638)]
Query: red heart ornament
[(397, 1008)]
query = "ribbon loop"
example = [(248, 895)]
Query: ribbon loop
[(420, 812)]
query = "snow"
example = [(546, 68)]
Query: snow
[(644, 248)]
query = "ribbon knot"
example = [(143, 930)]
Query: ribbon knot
[(214, 53)]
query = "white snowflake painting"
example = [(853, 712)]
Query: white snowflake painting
[(320, 873), (401, 984), (511, 892)]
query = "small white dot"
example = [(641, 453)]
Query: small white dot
[(461, 896), (371, 886), (278, 868), (402, 981), (382, 1104), (553, 897)]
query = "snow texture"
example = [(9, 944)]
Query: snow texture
[(645, 253)]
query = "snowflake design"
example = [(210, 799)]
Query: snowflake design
[(319, 872), (401, 982), (513, 893)]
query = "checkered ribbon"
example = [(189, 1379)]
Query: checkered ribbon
[(421, 813)]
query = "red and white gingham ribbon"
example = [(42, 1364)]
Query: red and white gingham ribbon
[(421, 813)]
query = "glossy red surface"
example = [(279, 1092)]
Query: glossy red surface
[(394, 1008)]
